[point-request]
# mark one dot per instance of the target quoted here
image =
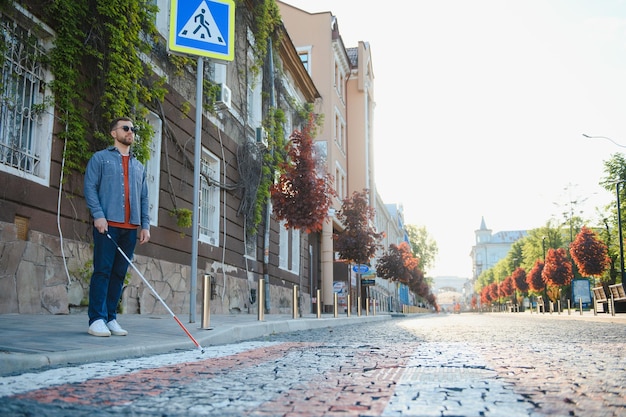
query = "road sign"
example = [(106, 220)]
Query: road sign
[(365, 282), (203, 27), (361, 269)]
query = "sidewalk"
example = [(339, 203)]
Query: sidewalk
[(30, 342)]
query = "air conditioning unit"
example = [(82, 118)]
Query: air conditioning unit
[(261, 136), (223, 98)]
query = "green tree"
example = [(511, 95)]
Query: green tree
[(423, 246), (538, 242), (515, 257), (612, 253), (484, 279), (615, 171), (501, 270)]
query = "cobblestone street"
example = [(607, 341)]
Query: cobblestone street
[(437, 365)]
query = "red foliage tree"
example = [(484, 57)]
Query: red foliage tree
[(589, 253), (506, 288), (485, 295), (397, 263), (519, 280), (301, 197), (558, 269), (432, 300), (494, 291), (534, 278), (358, 242)]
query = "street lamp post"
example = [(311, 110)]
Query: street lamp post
[(604, 137), (619, 230)]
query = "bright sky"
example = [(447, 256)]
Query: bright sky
[(481, 106)]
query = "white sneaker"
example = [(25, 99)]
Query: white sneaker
[(98, 328), (116, 329)]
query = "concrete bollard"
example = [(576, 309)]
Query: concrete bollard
[(358, 306), (335, 307), (348, 306)]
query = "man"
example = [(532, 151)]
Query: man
[(116, 193)]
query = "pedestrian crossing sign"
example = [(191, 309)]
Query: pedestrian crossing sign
[(203, 28)]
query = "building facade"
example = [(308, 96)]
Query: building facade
[(491, 247), (345, 79), (45, 227)]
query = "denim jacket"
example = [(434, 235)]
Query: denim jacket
[(104, 188)]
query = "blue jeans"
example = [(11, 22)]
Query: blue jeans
[(109, 271)]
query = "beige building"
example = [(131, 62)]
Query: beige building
[(317, 40), (345, 79)]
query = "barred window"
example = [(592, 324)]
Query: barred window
[(289, 249), (209, 199), (25, 110)]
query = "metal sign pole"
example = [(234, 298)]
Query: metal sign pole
[(196, 194), (188, 37)]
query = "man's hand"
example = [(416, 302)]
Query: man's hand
[(144, 236), (101, 224)]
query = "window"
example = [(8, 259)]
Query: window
[(339, 80), (289, 249), (209, 199), (25, 115), (162, 17), (153, 167), (283, 247), (254, 85), (305, 58), (340, 182), (340, 130), (251, 245), (320, 152)]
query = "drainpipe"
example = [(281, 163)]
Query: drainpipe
[(268, 208)]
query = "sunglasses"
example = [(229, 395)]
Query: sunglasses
[(127, 128)]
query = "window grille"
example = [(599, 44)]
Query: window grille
[(25, 122), (209, 199)]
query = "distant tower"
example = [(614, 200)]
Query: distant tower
[(483, 235), (490, 248), (480, 251)]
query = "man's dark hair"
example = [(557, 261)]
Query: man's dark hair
[(119, 119)]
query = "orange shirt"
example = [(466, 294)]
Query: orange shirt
[(126, 224)]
